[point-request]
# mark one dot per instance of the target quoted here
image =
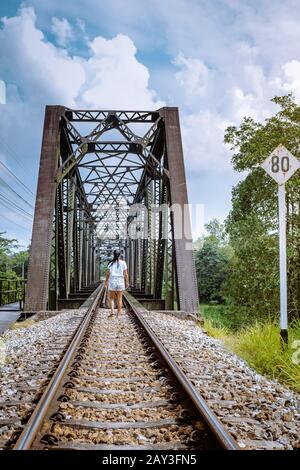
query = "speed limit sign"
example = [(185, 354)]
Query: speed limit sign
[(281, 165)]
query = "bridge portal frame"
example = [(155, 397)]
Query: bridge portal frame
[(63, 255)]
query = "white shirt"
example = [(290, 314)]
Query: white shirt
[(118, 268)]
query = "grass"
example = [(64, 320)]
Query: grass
[(259, 344), (22, 324), (226, 316), (261, 347), (219, 332)]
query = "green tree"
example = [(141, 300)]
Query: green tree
[(11, 260), (19, 262), (216, 232), (6, 249), (213, 262), (252, 224)]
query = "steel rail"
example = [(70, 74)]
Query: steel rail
[(32, 427), (215, 426), (36, 420)]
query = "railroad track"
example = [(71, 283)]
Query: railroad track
[(30, 380), (117, 387)]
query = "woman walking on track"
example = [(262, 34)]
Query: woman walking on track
[(116, 281)]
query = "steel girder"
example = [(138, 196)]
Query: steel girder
[(109, 179)]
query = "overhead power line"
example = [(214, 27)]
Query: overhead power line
[(15, 192), (15, 223), (14, 155), (16, 178), (15, 206)]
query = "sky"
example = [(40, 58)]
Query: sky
[(217, 60)]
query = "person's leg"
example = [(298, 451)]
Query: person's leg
[(111, 302), (119, 300)]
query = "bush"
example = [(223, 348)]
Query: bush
[(260, 345), (227, 316)]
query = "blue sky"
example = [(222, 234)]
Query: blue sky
[(217, 60)]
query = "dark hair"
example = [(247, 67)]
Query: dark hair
[(116, 257)]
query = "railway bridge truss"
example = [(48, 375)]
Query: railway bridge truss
[(111, 179)]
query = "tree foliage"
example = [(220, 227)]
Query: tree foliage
[(11, 260), (212, 262), (252, 224), (6, 248)]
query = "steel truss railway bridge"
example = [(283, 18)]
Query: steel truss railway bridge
[(111, 179)]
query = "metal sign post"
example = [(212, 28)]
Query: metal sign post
[(282, 262), (281, 165)]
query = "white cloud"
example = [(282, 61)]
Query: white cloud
[(38, 73), (290, 78), (193, 76), (220, 103), (111, 77), (62, 30), (203, 142), (115, 78), (42, 73), (234, 57), (242, 104)]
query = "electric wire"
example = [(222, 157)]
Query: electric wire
[(15, 206), (13, 191), (14, 155), (11, 205), (15, 223), (16, 178)]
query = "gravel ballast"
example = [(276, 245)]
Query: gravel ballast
[(260, 413), (29, 356)]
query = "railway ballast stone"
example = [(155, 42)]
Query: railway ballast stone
[(260, 413)]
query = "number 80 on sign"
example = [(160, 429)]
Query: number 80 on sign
[(281, 164)]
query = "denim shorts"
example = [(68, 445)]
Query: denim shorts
[(116, 283)]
